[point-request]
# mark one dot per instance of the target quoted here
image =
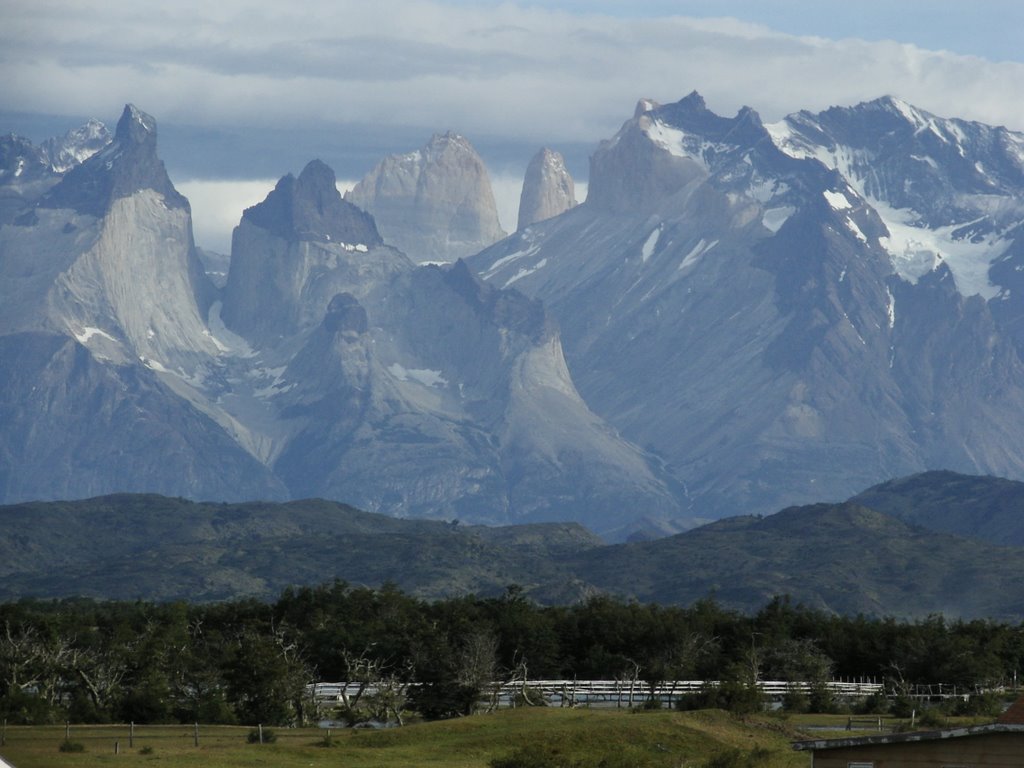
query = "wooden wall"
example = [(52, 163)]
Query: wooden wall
[(990, 750)]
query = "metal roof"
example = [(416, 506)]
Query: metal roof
[(903, 738)]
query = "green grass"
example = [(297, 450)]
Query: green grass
[(652, 738)]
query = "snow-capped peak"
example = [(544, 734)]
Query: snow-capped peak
[(946, 189)]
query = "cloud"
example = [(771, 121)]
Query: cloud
[(217, 207), (498, 70)]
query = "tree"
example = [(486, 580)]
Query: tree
[(267, 678)]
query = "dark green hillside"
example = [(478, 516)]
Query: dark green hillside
[(128, 546), (988, 508), (842, 558)]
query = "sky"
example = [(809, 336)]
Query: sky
[(245, 92)]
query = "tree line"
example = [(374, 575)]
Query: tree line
[(249, 662)]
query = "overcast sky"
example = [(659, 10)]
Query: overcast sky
[(252, 90)]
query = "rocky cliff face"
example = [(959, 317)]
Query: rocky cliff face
[(548, 189), (76, 426), (420, 391), (330, 364), (106, 256), (435, 204), (102, 326), (738, 297), (295, 251)]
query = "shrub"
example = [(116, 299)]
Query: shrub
[(269, 737), (796, 701), (875, 704), (71, 746), (987, 704), (932, 718), (147, 750), (902, 706)]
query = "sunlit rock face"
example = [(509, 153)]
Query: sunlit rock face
[(435, 204), (548, 189)]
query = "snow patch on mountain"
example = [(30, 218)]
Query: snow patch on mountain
[(695, 254), (424, 376), (837, 200), (88, 332), (647, 250), (226, 341), (774, 218), (526, 272), (917, 250), (679, 143)]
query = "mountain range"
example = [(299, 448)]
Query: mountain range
[(330, 364), (845, 558), (790, 312), (740, 317)]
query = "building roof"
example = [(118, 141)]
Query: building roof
[(902, 738), (1014, 714)]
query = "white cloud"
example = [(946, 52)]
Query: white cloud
[(496, 70), (217, 207)]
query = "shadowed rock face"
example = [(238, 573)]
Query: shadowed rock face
[(435, 204), (310, 208), (109, 428), (548, 189), (345, 315)]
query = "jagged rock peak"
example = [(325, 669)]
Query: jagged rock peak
[(436, 203), (310, 208), (548, 189), (135, 126), (664, 148), (76, 146), (125, 166)]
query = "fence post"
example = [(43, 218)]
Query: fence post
[(260, 729), (195, 737), (67, 730), (117, 747), (131, 735)]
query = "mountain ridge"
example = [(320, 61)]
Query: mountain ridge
[(842, 558), (730, 298)]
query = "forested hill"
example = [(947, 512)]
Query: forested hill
[(130, 546), (844, 558), (988, 508)]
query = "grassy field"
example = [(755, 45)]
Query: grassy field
[(666, 738)]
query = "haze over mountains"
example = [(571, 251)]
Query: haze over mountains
[(752, 317)]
